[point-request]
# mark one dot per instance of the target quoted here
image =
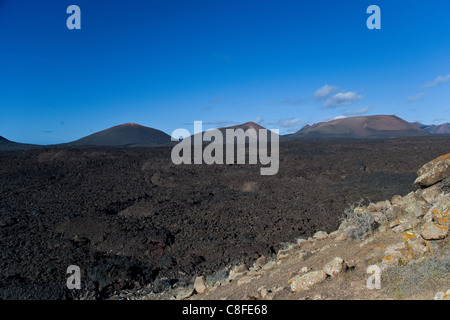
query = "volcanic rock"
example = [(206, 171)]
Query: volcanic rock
[(434, 171)]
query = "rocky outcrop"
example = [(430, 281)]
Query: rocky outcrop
[(434, 171)]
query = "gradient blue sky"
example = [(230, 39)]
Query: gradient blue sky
[(167, 63)]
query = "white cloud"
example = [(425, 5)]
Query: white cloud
[(339, 117), (342, 99), (437, 81), (417, 97), (357, 112), (289, 123), (284, 123), (325, 91), (259, 120)]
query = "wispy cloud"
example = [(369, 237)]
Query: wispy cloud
[(217, 99), (284, 122), (325, 91), (289, 123), (259, 120), (342, 99), (437, 81), (357, 112), (439, 120), (212, 102), (417, 97)]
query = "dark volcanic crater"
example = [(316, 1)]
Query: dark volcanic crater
[(129, 217)]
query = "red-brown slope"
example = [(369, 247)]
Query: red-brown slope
[(379, 126)]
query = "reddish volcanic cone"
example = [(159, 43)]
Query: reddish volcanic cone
[(245, 126), (380, 126)]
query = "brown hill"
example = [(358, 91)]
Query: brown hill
[(129, 134), (379, 126), (244, 126), (247, 126)]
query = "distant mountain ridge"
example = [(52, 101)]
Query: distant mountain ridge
[(434, 129), (360, 127)]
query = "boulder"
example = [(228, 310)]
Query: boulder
[(245, 280), (416, 208), (440, 212), (269, 265), (334, 267), (305, 269), (238, 272), (396, 223), (393, 254), (306, 281), (442, 295), (441, 217), (396, 200), (200, 285), (430, 194), (393, 212), (184, 293), (320, 235), (303, 244), (409, 223), (342, 236), (415, 246), (334, 234), (434, 171), (284, 254), (264, 293), (433, 231), (410, 197), (260, 262)]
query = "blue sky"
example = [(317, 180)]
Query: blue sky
[(166, 63)]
